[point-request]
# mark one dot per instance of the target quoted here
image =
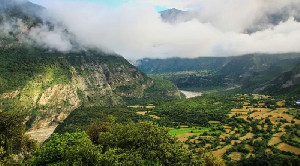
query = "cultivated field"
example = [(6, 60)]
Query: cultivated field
[(260, 124)]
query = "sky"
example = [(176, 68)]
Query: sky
[(108, 3), (135, 29)]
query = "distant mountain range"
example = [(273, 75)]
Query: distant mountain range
[(159, 66), (274, 18), (175, 15), (251, 73)]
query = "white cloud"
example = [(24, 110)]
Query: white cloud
[(54, 39), (136, 30)]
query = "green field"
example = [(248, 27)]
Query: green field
[(182, 131)]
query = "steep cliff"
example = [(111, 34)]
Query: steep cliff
[(47, 85)]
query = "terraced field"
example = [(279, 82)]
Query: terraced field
[(260, 124)]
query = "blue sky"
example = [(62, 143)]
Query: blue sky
[(109, 3), (116, 3)]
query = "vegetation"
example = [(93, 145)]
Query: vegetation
[(118, 144), (195, 111), (241, 74), (15, 146), (116, 115), (81, 118), (28, 75), (107, 143), (172, 65), (259, 129)]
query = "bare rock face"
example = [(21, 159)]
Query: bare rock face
[(10, 94)]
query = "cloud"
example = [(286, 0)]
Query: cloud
[(135, 30), (53, 39), (42, 35)]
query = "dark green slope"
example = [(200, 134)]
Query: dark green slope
[(287, 83), (252, 72), (159, 66), (47, 85), (248, 73)]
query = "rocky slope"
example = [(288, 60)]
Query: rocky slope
[(47, 85)]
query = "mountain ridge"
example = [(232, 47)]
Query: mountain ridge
[(46, 85), (247, 73)]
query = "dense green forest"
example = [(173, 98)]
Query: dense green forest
[(105, 143), (195, 111), (126, 135), (81, 118)]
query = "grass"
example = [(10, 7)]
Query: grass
[(183, 131), (295, 138), (289, 148), (235, 156)]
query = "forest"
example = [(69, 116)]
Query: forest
[(106, 143), (244, 129)]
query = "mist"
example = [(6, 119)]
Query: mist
[(136, 30)]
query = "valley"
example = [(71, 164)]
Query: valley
[(252, 73), (256, 126), (69, 97)]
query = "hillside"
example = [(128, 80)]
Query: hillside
[(247, 73), (46, 85), (252, 72), (160, 66), (287, 83)]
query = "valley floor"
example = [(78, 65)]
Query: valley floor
[(261, 124)]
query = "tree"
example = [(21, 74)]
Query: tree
[(11, 132), (151, 142), (67, 149), (13, 140), (131, 143), (210, 159)]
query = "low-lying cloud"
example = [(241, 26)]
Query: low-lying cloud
[(54, 38), (136, 30)]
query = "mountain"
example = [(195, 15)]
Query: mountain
[(288, 82), (158, 66), (22, 9), (252, 71), (271, 19), (247, 73), (175, 15), (46, 85)]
